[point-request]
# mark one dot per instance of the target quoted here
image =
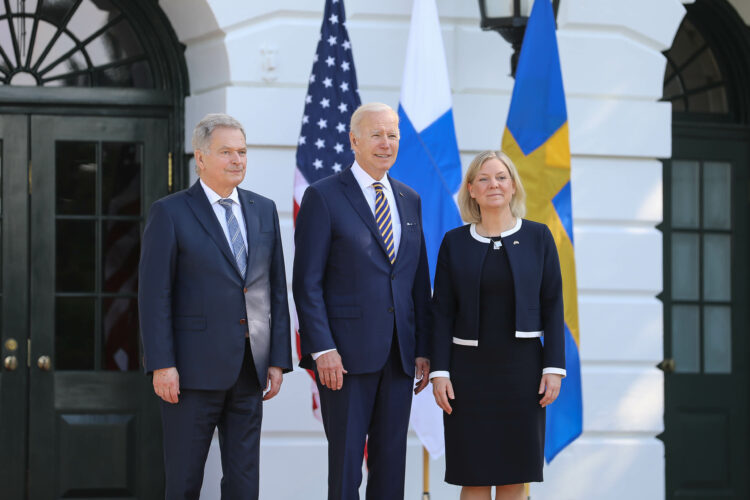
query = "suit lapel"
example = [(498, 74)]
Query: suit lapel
[(357, 198), (252, 226), (201, 207)]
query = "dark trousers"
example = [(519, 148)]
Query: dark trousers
[(189, 427), (372, 408)]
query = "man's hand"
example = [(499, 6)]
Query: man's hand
[(442, 389), (422, 374), (550, 387), (330, 370), (273, 382), (167, 384)]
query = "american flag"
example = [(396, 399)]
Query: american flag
[(332, 95)]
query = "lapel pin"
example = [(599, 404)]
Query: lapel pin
[(515, 242), (401, 194)]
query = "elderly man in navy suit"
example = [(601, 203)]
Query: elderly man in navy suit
[(361, 286), (214, 315)]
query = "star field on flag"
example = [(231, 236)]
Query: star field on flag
[(323, 144)]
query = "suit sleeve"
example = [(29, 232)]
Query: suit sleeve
[(551, 299), (156, 272), (443, 311), (281, 345), (312, 240), (421, 298)]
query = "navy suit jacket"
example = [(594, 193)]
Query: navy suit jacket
[(348, 294), (537, 282), (195, 307)]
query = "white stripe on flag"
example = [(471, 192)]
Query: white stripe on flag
[(425, 89)]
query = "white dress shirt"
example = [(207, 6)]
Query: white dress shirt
[(220, 212), (365, 182)]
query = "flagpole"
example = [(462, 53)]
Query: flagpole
[(425, 474)]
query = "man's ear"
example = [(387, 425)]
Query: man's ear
[(198, 154)]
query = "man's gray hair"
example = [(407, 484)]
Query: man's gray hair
[(370, 107), (207, 125)]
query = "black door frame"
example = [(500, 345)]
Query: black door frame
[(729, 38), (166, 100)]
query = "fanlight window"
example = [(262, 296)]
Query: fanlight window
[(70, 43), (693, 81)]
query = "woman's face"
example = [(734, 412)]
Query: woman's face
[(492, 187)]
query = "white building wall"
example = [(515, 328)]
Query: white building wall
[(253, 59)]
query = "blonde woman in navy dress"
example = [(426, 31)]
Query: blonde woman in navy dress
[(498, 291)]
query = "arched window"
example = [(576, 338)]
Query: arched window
[(71, 43), (693, 81)]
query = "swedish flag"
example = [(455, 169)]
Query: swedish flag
[(536, 139)]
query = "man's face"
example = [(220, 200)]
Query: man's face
[(222, 167), (376, 143)]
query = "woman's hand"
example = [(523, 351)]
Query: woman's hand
[(442, 389), (550, 387)]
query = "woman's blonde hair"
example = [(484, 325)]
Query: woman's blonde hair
[(468, 206)]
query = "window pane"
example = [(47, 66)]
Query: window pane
[(686, 339), (121, 242), (75, 165), (121, 178), (685, 266), (136, 74), (717, 339), (74, 333), (685, 198), (701, 71), (710, 101), (717, 195), (91, 16), (717, 265), (55, 12), (120, 321), (76, 247)]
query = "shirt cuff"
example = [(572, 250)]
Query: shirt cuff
[(556, 371), (441, 373), (316, 355)]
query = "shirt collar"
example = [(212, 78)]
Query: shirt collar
[(365, 180), (214, 198)]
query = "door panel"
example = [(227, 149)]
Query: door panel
[(705, 310), (13, 303), (93, 419)]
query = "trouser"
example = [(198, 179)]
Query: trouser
[(372, 408), (188, 428)]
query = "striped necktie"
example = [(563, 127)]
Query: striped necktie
[(235, 237), (383, 220)]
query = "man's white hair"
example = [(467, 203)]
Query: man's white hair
[(370, 107)]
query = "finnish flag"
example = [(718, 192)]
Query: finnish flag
[(428, 161)]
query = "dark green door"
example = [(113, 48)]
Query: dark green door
[(87, 419), (707, 389), (14, 295)]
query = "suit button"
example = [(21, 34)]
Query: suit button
[(244, 290), (390, 309), (393, 277), (243, 321)]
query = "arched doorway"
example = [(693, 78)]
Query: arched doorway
[(706, 274), (91, 109)]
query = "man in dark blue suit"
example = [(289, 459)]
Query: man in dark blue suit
[(361, 286), (214, 315)]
